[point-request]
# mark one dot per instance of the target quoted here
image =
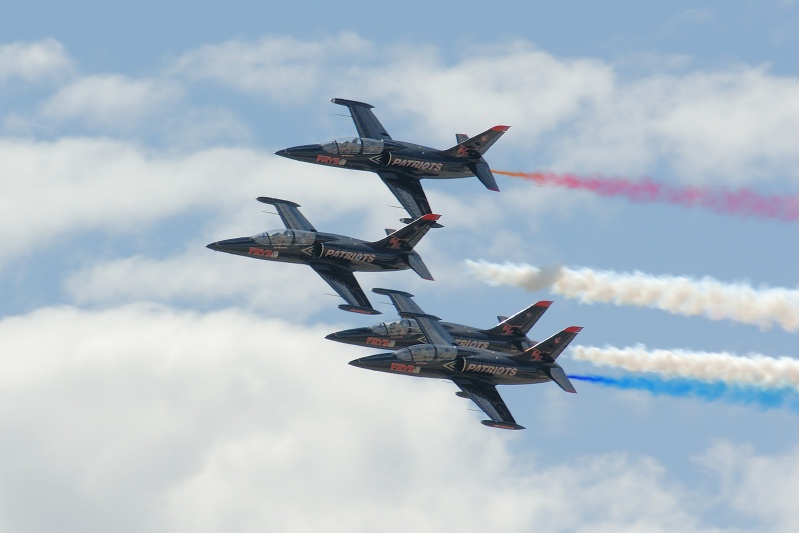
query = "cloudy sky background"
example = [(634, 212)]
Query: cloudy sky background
[(151, 385)]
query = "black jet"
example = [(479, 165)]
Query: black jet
[(334, 257), (509, 336), (477, 372), (401, 164)]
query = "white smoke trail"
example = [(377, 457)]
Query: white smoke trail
[(754, 369), (740, 302)]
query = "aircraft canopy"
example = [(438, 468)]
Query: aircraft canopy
[(284, 237), (353, 146)]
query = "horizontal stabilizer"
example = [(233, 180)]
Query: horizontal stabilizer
[(419, 267), (559, 376), (483, 173)]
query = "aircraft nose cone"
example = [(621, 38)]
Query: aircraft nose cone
[(350, 336), (306, 152), (358, 362), (232, 246)]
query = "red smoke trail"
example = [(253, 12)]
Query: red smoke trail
[(741, 202)]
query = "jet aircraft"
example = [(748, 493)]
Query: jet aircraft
[(476, 371), (509, 336), (334, 257), (401, 164)]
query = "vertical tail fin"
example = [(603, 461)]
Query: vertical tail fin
[(549, 350), (409, 236), (521, 322), (477, 145)]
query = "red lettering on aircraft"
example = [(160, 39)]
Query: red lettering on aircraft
[(408, 369), (330, 160), (377, 341), (260, 252)]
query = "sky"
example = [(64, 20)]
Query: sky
[(149, 384)]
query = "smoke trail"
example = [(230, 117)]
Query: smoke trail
[(679, 295), (787, 398), (741, 202), (754, 369)]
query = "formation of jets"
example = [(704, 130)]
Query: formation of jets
[(419, 344)]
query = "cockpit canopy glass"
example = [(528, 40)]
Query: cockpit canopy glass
[(397, 329), (353, 146), (284, 237)]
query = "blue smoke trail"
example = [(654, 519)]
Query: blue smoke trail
[(783, 397)]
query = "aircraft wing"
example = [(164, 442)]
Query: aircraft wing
[(289, 213), (431, 328), (344, 283), (487, 398), (365, 121), (409, 192), (401, 300)]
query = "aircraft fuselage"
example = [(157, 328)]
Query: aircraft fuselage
[(304, 247), (396, 157), (404, 333), (480, 365)]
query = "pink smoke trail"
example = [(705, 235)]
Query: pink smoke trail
[(741, 202)]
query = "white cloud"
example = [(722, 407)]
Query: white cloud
[(111, 100), (285, 68), (33, 62), (170, 420), (760, 487)]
